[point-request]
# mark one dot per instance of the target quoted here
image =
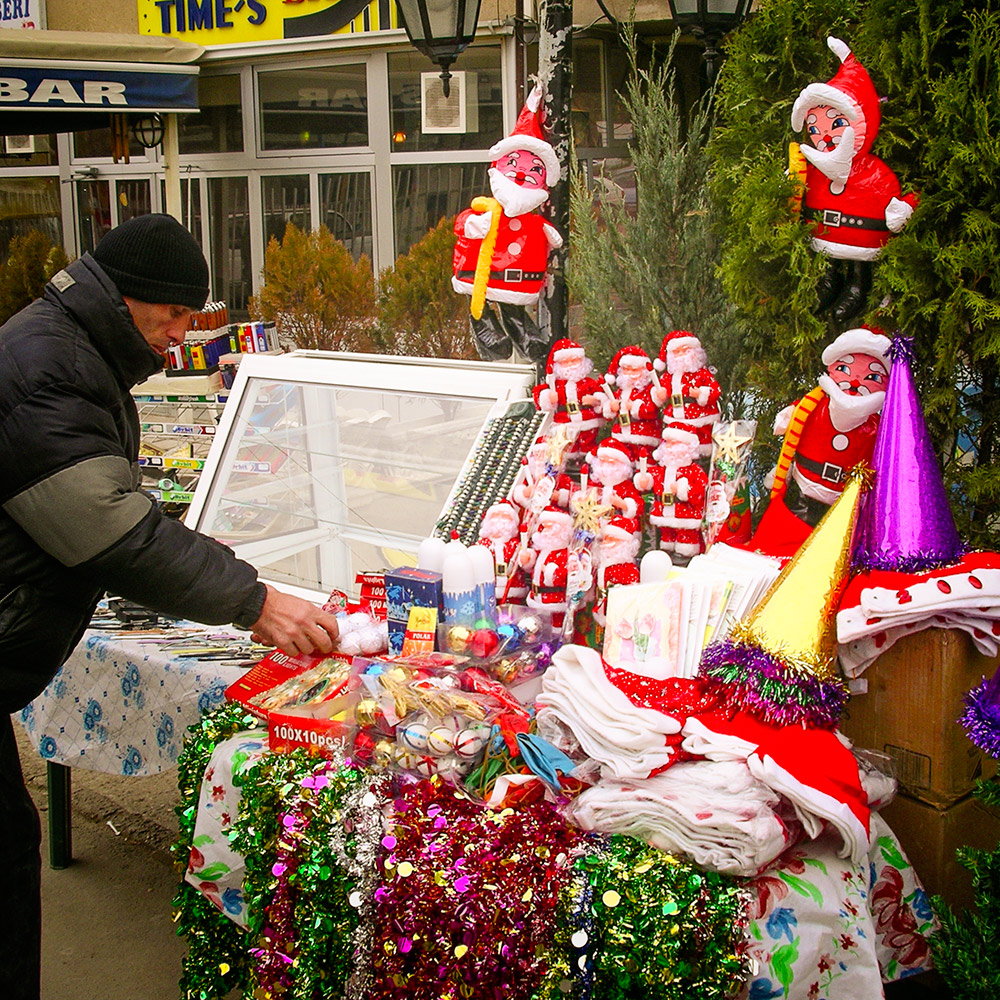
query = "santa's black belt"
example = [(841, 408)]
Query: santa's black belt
[(825, 470), (833, 219), (550, 590), (511, 274)]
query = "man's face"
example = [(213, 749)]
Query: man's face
[(161, 326), (859, 374), (523, 168)]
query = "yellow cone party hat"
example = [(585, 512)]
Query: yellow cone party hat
[(780, 661)]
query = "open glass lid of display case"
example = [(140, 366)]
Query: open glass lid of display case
[(327, 465)]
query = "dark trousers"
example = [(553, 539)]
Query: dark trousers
[(20, 878)]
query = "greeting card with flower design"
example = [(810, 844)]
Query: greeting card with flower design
[(646, 626)]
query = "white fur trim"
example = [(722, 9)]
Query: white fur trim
[(676, 342), (817, 94), (568, 352), (539, 147), (679, 434), (660, 366), (686, 548), (858, 341), (897, 214), (553, 236), (691, 523), (840, 49), (633, 438), (709, 418), (844, 251)]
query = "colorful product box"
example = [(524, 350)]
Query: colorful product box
[(408, 588)]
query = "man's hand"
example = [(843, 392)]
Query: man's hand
[(294, 625)]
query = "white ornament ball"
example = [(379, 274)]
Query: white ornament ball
[(413, 736), (441, 740), (470, 742), (426, 766)]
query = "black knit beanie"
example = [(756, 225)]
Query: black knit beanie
[(153, 258)]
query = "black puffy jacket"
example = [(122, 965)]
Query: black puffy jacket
[(73, 521)]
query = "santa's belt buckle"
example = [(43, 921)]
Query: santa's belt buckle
[(831, 218), (676, 399), (668, 501), (573, 408), (501, 569), (832, 473), (513, 274), (624, 418)]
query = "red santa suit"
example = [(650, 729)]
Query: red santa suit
[(852, 199), (679, 488), (692, 390), (622, 496), (617, 566), (548, 558), (511, 581), (563, 396), (637, 415)]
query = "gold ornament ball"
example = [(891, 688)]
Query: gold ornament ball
[(458, 638)]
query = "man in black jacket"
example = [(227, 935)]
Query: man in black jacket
[(74, 523)]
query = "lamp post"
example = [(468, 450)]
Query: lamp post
[(709, 20), (441, 29)]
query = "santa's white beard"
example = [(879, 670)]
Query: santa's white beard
[(835, 165), (498, 529), (848, 411), (609, 473), (516, 200), (544, 541), (572, 371), (692, 362), (671, 457), (615, 555)]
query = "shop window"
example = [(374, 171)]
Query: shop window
[(286, 199), (229, 218), (190, 205), (28, 151), (218, 125), (93, 212), (424, 194), (345, 208), (484, 121), (314, 108), (589, 115), (29, 203), (133, 198), (95, 144)]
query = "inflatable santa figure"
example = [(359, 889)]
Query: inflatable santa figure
[(503, 245), (679, 487), (852, 200), (609, 468), (692, 390), (571, 394), (636, 400), (539, 484), (826, 433), (617, 548), (499, 532), (546, 556)]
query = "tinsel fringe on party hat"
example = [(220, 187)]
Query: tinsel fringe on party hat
[(780, 662), (981, 718)]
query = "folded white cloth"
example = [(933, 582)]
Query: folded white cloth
[(715, 813)]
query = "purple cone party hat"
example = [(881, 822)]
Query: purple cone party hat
[(905, 524), (780, 662)]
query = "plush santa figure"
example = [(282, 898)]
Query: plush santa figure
[(499, 532), (826, 433), (635, 401), (852, 200), (617, 548), (539, 484), (571, 394), (609, 469), (679, 487), (692, 390), (503, 245), (546, 556)]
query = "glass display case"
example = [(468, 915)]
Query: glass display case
[(326, 465)]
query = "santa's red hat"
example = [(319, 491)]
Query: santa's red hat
[(850, 90), (563, 350), (527, 135), (860, 340), (625, 528), (507, 506), (630, 352), (673, 340), (555, 515), (675, 433), (610, 448)]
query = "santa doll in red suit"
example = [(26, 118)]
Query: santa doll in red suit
[(500, 533), (539, 484), (608, 472), (503, 245), (635, 404), (617, 548), (571, 394), (692, 390), (852, 200), (547, 557), (679, 487), (826, 433)]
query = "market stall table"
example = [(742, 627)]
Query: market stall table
[(121, 703)]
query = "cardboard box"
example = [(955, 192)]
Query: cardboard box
[(408, 588), (910, 712), (930, 837)]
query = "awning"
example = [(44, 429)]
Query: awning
[(63, 81)]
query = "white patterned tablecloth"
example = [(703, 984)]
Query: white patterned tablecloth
[(121, 704)]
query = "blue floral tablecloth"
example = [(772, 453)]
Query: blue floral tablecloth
[(121, 704)]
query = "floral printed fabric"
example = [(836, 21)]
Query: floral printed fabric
[(822, 927), (121, 705), (214, 868)]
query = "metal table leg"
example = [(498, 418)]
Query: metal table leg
[(60, 815)]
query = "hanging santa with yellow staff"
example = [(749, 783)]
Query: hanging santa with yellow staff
[(501, 255)]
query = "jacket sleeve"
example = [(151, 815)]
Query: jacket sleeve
[(71, 487)]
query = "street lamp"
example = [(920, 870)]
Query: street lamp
[(148, 131), (441, 29), (710, 20)]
